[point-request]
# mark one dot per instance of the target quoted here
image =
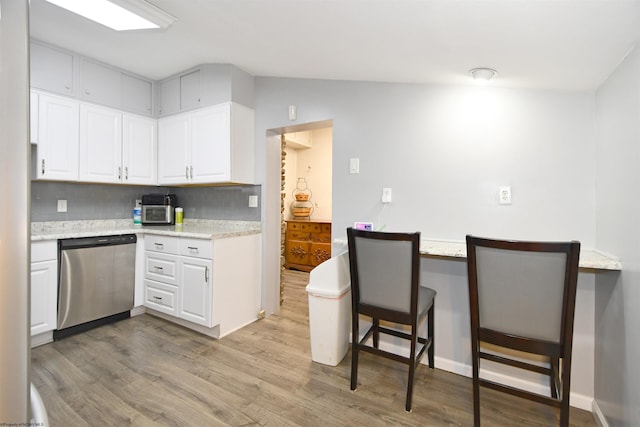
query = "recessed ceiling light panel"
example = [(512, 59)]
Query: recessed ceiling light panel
[(483, 74), (120, 15)]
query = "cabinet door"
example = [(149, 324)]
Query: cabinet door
[(211, 144), (169, 96), (58, 134), (100, 144), (33, 117), (195, 291), (139, 154), (190, 90), (101, 84), (44, 298), (174, 134), (51, 69), (136, 94)]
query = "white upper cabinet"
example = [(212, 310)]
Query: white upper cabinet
[(100, 84), (174, 157), (137, 94), (52, 69), (207, 146), (100, 144), (190, 90), (58, 136), (139, 153), (180, 93), (116, 147)]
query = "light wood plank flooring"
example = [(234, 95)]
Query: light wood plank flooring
[(145, 371)]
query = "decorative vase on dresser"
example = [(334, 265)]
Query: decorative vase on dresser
[(307, 244)]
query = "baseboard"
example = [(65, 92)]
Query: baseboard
[(576, 400), (601, 420), (40, 339), (136, 311)]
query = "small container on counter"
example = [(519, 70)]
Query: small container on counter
[(137, 215), (179, 216)]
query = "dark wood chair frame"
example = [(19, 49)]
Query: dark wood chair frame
[(419, 345), (559, 375)]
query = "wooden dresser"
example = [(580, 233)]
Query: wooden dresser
[(307, 243)]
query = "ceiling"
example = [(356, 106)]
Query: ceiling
[(550, 44)]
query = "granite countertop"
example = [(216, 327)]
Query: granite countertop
[(192, 228), (589, 259)]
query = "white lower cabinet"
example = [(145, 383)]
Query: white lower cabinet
[(44, 288), (197, 282)]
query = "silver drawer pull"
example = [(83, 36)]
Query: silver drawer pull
[(158, 298), (158, 268), (192, 248), (159, 245)]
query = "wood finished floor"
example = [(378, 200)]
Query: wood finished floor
[(145, 371)]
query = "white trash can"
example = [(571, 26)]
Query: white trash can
[(329, 291)]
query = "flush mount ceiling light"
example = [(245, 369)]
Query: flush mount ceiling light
[(483, 74), (120, 15)]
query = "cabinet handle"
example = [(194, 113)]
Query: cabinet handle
[(186, 172), (191, 172), (42, 166), (126, 173), (86, 92), (158, 298), (158, 245), (206, 275), (67, 86), (158, 268), (192, 248), (119, 172)]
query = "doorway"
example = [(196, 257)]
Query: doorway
[(305, 198)]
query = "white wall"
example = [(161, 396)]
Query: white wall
[(617, 381), (445, 150)]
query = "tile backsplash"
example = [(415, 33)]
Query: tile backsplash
[(97, 201)]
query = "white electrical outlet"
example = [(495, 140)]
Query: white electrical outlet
[(253, 201), (62, 205), (504, 195)]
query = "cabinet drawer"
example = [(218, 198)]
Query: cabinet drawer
[(200, 248), (319, 253), (297, 252), (161, 297), (164, 244), (321, 237), (161, 267), (298, 235), (294, 226), (44, 251), (326, 228)]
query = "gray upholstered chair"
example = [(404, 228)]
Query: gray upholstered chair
[(385, 276), (522, 297)]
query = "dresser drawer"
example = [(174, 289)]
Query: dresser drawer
[(161, 297), (298, 235), (166, 244), (200, 248)]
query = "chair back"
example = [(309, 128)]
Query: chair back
[(524, 289), (384, 270)]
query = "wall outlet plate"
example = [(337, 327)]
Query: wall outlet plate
[(366, 226)]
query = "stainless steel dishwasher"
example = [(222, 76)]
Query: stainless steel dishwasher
[(96, 282)]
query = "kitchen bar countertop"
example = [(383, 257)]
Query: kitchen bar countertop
[(589, 259), (192, 228)]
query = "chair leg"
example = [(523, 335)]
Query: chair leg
[(431, 335), (555, 373), (376, 332), (412, 368), (355, 334), (475, 367)]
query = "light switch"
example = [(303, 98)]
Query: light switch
[(253, 201), (386, 195), (354, 166), (62, 205)]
